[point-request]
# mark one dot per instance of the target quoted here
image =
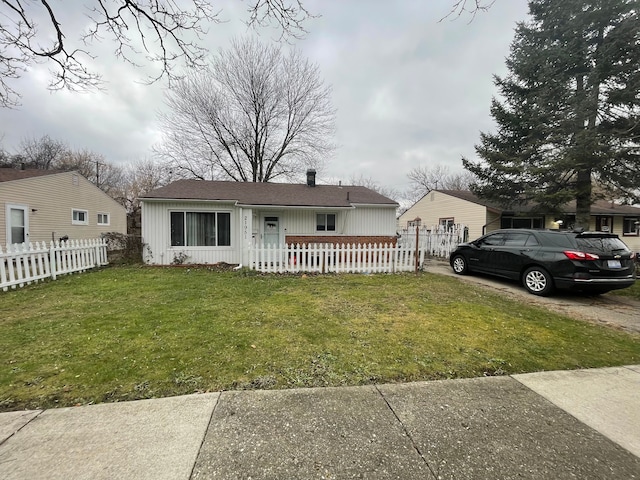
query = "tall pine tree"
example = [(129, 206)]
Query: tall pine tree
[(569, 113)]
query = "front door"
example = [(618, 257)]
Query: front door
[(271, 231), (17, 224)]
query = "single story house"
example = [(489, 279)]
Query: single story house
[(447, 207), (207, 222), (44, 205)]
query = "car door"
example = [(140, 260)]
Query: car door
[(515, 252), (481, 255)]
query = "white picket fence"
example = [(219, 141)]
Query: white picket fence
[(358, 258), (21, 264), (436, 241), (330, 258)]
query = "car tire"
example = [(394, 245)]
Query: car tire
[(538, 281), (459, 265)]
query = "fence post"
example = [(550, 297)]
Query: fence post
[(52, 260), (417, 220)]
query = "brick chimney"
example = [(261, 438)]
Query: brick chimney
[(311, 177)]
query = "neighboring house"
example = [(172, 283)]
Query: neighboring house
[(45, 205), (210, 222), (446, 207)]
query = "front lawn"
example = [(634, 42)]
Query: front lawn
[(631, 292), (139, 332)]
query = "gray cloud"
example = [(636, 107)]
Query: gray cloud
[(409, 90)]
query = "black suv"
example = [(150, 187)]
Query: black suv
[(594, 262)]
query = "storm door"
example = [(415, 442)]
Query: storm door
[(17, 224), (271, 231)]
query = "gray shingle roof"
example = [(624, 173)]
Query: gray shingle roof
[(277, 194), (600, 207), (10, 174)]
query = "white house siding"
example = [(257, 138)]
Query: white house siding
[(49, 200), (359, 221), (156, 233), (632, 241), (435, 206)]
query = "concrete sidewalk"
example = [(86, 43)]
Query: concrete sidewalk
[(556, 425)]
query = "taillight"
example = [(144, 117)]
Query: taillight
[(572, 255)]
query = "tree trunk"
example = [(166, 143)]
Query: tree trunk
[(583, 199)]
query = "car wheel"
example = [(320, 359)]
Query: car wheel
[(537, 281), (459, 265)]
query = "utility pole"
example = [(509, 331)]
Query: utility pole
[(98, 172)]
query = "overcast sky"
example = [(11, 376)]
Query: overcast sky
[(409, 90)]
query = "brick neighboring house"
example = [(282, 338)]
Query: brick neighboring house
[(45, 205), (213, 221)]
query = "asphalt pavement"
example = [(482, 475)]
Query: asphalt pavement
[(582, 424)]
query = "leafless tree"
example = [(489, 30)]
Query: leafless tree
[(439, 177), (107, 176), (43, 153), (167, 32), (256, 114), (47, 153), (470, 7), (140, 177), (375, 186)]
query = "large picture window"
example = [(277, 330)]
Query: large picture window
[(521, 222), (200, 229)]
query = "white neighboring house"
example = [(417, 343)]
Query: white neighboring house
[(45, 205), (208, 222), (446, 207)]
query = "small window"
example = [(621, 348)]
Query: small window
[(103, 219), (631, 226), (326, 222), (79, 217), (448, 223)]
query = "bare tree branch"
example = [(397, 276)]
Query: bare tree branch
[(167, 33), (438, 177), (255, 115), (471, 7)]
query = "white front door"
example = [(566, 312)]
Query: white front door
[(271, 231), (17, 224)]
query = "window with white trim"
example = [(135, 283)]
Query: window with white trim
[(79, 217), (326, 222), (103, 219), (200, 229)]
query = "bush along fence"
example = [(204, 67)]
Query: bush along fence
[(22, 264), (357, 258)]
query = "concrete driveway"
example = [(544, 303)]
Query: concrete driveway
[(607, 309)]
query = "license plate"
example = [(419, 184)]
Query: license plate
[(614, 264)]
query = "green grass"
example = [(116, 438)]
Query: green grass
[(631, 292), (134, 332)]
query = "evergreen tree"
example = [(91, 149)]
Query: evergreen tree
[(569, 114)]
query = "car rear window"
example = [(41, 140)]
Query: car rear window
[(601, 244)]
